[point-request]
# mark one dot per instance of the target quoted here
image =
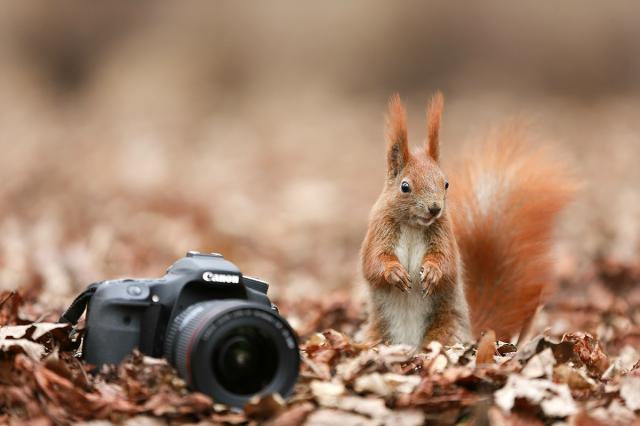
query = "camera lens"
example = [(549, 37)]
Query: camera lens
[(233, 349), (246, 361)]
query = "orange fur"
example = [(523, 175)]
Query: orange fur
[(439, 280), (504, 202), (397, 139), (434, 116)]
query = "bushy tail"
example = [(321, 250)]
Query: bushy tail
[(505, 199)]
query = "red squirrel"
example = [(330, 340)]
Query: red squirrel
[(446, 263)]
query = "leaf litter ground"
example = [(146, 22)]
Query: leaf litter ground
[(583, 368)]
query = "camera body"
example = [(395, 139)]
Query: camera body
[(135, 313), (216, 326)]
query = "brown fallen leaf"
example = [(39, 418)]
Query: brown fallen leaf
[(326, 393), (386, 384), (13, 331), (10, 303), (498, 417), (367, 384), (574, 378), (38, 330), (295, 415), (228, 418), (311, 369), (630, 392), (540, 365), (263, 407), (562, 350), (381, 359), (554, 399), (615, 413), (486, 348), (168, 403), (333, 417), (32, 349), (589, 351)]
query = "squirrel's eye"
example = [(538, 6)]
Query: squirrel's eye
[(446, 185), (404, 186)]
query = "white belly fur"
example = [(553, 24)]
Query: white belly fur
[(406, 314)]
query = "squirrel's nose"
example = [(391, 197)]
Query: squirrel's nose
[(434, 210)]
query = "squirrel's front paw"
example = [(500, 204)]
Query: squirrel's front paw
[(396, 275), (430, 275)]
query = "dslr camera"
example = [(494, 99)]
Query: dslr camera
[(217, 327)]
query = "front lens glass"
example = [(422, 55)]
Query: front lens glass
[(245, 360)]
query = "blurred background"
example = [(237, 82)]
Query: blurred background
[(131, 133)]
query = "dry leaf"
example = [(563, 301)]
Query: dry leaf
[(486, 348), (386, 384), (438, 364), (630, 392), (540, 365), (294, 415), (333, 417), (459, 353), (342, 379), (554, 399), (627, 359), (574, 378), (264, 406), (327, 392), (589, 352), (34, 350)]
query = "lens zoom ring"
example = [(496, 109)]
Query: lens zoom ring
[(172, 332), (182, 352)]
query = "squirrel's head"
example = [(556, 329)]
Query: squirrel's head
[(416, 187)]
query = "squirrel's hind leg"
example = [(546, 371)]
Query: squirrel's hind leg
[(445, 328), (371, 331)]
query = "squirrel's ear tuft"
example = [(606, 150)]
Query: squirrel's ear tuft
[(397, 143), (434, 115)]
